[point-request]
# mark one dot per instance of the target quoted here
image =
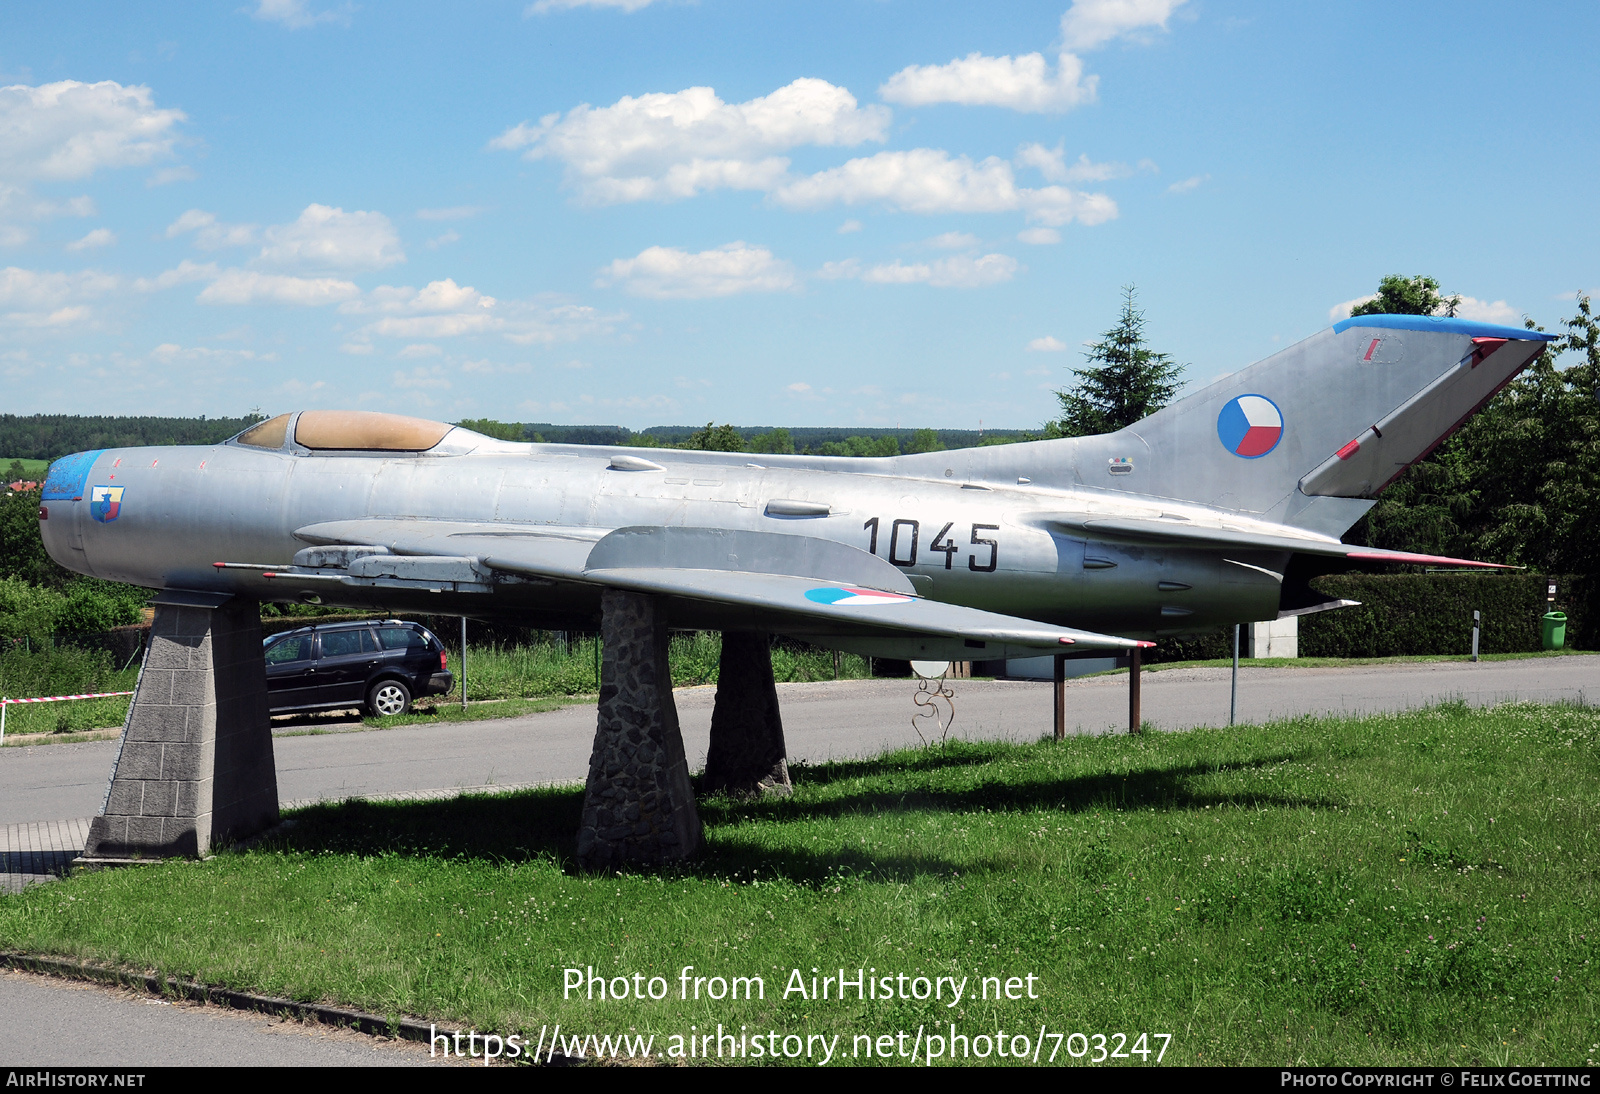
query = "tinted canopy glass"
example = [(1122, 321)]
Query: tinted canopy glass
[(367, 431)]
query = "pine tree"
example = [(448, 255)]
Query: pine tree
[(1125, 380)]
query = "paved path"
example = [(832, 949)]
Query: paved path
[(51, 1022), (821, 721)]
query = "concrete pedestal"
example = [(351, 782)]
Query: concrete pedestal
[(195, 768), (1275, 638), (747, 755), (638, 805)]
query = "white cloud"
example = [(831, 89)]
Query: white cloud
[(666, 273), (800, 387), (69, 130), (332, 239), (928, 180), (421, 349), (1342, 311), (436, 296), (953, 241), (1187, 184), (1051, 163), (1089, 24), (1038, 237), (529, 323), (60, 317), (181, 274), (441, 240), (443, 309), (210, 235), (849, 226), (435, 326), (955, 272), (172, 353), (1023, 83), (1047, 344), (421, 377), (296, 15), (47, 290), (1485, 312), (672, 145), (236, 286), (560, 5), (358, 349), (100, 237), (1026, 82), (1470, 307)]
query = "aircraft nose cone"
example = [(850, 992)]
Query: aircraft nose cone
[(67, 476)]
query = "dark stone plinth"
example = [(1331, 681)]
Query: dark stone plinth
[(638, 805), (194, 770), (747, 755)]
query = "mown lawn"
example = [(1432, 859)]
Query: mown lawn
[(1413, 888)]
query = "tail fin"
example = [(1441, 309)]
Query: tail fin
[(1302, 436)]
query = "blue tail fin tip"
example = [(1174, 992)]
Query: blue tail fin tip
[(1443, 324)]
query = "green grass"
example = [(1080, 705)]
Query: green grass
[(33, 469), (552, 669), (1400, 889), (1344, 662)]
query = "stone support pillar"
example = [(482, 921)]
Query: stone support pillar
[(195, 769), (638, 804), (747, 758)]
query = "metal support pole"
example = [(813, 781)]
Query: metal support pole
[(3, 706), (463, 662), (1061, 696), (1233, 699), (1475, 620), (1133, 691)]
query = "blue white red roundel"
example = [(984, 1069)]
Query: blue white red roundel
[(851, 597), (1250, 426)]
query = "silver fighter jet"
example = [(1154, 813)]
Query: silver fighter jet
[(1217, 510)]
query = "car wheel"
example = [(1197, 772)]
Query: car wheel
[(388, 698)]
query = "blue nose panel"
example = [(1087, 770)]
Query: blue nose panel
[(67, 476)]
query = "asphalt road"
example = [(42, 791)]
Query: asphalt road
[(821, 721)]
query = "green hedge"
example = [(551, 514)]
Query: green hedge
[(1432, 614)]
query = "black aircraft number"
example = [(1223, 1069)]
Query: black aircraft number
[(905, 537)]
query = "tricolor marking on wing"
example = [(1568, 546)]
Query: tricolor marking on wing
[(1250, 426), (852, 597)]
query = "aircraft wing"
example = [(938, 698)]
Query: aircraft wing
[(1194, 535), (797, 584)]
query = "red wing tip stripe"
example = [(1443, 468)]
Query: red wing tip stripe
[(1405, 556), (1146, 645), (1067, 641), (1348, 450)]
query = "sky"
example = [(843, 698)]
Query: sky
[(836, 212)]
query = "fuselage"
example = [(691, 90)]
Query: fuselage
[(163, 517)]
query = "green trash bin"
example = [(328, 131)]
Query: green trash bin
[(1555, 630)]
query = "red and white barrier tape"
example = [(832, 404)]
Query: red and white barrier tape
[(58, 698)]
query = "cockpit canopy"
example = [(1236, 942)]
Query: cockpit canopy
[(348, 430)]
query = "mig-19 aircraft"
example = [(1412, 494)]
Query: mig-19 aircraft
[(1216, 510)]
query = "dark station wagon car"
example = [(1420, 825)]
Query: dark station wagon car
[(380, 665)]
